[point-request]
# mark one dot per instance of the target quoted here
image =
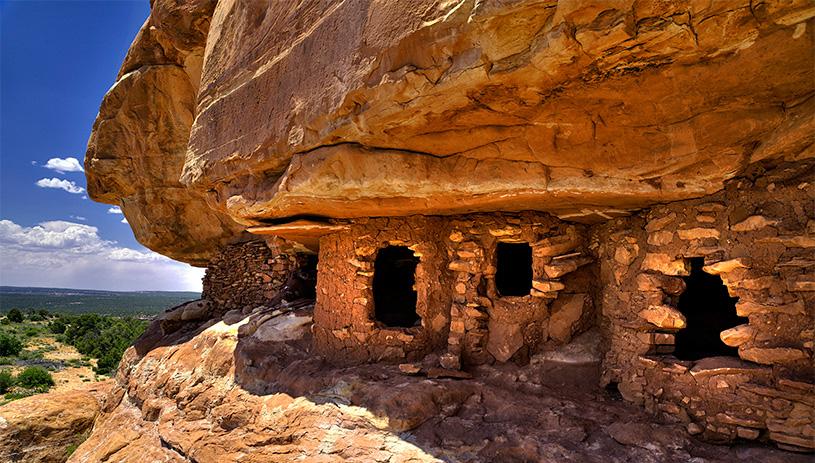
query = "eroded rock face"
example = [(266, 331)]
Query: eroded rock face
[(226, 391), (444, 107), (139, 140), (586, 110), (39, 429)]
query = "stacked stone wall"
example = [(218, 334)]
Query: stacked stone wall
[(759, 237), (486, 326), (345, 328), (459, 305), (246, 275)]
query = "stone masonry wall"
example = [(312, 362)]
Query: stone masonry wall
[(458, 303), (487, 326), (344, 325), (759, 237), (247, 274)]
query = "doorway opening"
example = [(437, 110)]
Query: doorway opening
[(513, 276), (394, 287), (709, 310)]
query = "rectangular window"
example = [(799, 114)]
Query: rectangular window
[(513, 276)]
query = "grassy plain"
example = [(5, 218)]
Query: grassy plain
[(141, 304)]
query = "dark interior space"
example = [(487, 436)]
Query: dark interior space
[(301, 284), (394, 278), (513, 276), (709, 310)]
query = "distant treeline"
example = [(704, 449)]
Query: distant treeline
[(78, 302)]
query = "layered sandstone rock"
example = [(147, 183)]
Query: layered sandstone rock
[(587, 110), (137, 149), (225, 390), (41, 428)]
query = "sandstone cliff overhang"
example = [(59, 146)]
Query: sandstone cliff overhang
[(587, 110)]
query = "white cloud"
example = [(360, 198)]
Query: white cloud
[(124, 221), (78, 217), (64, 165), (66, 185), (33, 163), (73, 255), (115, 210)]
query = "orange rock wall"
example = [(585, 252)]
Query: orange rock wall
[(460, 307), (247, 275), (344, 325), (759, 237)]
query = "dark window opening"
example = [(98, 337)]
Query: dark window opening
[(709, 310), (301, 283), (394, 279), (513, 276)]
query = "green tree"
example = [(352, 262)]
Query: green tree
[(15, 315), (35, 378), (10, 346), (6, 381), (58, 326)]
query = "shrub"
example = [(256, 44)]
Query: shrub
[(36, 317), (58, 326), (15, 315), (10, 346), (6, 381), (30, 331), (43, 313), (5, 321), (35, 378)]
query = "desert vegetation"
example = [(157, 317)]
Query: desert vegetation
[(33, 345)]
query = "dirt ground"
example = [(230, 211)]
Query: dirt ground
[(69, 377)]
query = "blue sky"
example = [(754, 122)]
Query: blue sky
[(57, 61)]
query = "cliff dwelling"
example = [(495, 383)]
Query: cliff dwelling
[(639, 176)]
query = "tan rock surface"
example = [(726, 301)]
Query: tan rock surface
[(208, 393), (553, 99), (139, 140), (39, 429), (347, 109)]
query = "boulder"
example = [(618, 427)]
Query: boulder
[(40, 428)]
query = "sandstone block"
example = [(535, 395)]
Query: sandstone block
[(660, 223), (727, 265), (738, 335), (465, 266), (754, 222), (547, 286), (698, 233), (450, 361), (666, 264), (555, 245), (790, 241), (804, 443), (670, 285), (660, 238), (508, 230), (411, 369), (804, 283), (753, 284), (664, 316), (626, 253), (771, 355), (710, 207), (566, 312), (664, 338), (505, 339), (560, 267), (747, 433), (744, 309)]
